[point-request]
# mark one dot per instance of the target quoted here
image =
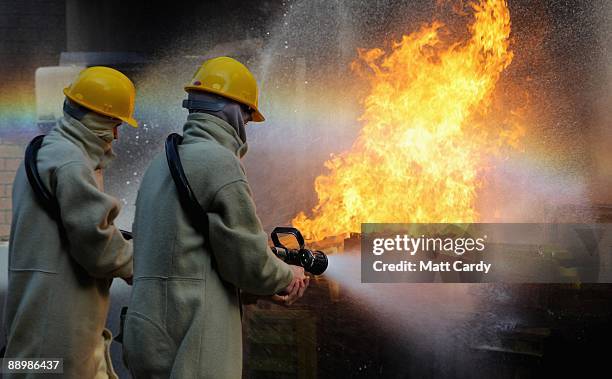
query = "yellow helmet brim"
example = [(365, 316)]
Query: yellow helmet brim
[(130, 121), (258, 117)]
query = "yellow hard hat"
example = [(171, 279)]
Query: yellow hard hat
[(106, 91), (229, 78)]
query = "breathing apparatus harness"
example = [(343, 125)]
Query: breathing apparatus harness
[(43, 196), (189, 202), (313, 261)]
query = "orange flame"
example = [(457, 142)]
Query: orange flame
[(419, 155)]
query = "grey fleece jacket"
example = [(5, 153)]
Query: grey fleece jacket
[(184, 318), (58, 291)]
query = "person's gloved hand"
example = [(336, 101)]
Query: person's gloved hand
[(295, 289)]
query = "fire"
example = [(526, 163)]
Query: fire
[(419, 156)]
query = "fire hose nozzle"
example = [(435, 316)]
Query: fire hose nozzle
[(313, 261)]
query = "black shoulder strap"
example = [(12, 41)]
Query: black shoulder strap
[(44, 197), (187, 198)]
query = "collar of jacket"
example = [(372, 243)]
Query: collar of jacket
[(205, 126), (95, 149)]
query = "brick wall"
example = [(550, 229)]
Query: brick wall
[(10, 158)]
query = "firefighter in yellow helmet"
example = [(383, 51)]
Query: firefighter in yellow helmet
[(61, 263), (184, 314)]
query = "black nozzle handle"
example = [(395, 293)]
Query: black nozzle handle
[(286, 230)]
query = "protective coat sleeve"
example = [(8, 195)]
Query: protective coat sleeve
[(239, 244), (88, 215)]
